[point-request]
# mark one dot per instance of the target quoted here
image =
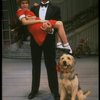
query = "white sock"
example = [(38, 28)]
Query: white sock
[(59, 45), (67, 46)]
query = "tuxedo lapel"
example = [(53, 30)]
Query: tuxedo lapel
[(36, 11), (49, 10), (49, 14)]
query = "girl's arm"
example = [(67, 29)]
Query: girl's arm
[(30, 21), (27, 21), (30, 17)]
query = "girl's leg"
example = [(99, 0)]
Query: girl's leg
[(61, 31), (59, 41), (63, 36)]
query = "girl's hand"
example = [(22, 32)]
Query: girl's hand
[(42, 21)]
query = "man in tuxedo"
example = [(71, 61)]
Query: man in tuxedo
[(45, 10)]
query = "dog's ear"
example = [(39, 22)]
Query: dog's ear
[(74, 61), (60, 54), (73, 58)]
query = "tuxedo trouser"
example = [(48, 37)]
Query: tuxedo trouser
[(48, 49)]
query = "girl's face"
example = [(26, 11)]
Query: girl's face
[(24, 5)]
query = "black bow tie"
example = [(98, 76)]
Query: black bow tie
[(43, 5)]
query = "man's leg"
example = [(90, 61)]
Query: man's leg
[(36, 68), (50, 62)]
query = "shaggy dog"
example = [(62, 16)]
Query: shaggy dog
[(69, 82)]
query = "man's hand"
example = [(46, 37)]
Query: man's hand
[(35, 4), (47, 26)]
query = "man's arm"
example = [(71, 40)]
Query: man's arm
[(58, 14)]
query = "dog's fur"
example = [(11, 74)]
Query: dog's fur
[(69, 82)]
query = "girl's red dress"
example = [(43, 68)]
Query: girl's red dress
[(38, 34)]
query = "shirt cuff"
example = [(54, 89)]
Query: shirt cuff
[(22, 16), (51, 32)]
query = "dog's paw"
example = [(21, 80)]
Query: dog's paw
[(86, 93)]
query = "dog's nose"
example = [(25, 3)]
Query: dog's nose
[(65, 63)]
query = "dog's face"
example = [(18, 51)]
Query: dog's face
[(67, 63)]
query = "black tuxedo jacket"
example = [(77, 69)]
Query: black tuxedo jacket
[(53, 12)]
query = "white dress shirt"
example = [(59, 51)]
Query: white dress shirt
[(42, 12)]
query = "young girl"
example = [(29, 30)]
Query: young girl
[(36, 26)]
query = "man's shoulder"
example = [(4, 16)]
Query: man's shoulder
[(33, 7), (54, 5)]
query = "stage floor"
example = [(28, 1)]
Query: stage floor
[(16, 78)]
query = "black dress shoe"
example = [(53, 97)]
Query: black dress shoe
[(63, 50), (32, 95), (57, 98)]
